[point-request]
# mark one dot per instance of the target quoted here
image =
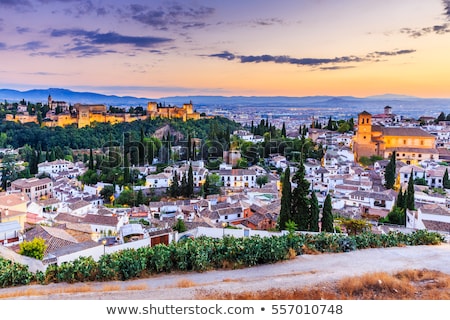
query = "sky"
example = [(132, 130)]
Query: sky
[(158, 48)]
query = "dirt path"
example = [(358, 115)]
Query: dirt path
[(304, 270)]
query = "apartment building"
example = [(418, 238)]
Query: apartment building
[(36, 189)]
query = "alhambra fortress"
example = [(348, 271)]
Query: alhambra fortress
[(84, 115)]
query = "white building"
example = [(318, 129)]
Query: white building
[(159, 180), (238, 178)]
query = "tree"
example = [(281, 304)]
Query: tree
[(34, 248), (126, 170), (107, 192), (283, 131), (330, 124), (315, 212), (327, 215), (300, 202), (390, 172), (174, 188), (401, 201), (396, 216), (180, 226), (190, 182), (183, 186), (446, 180), (262, 180), (343, 127), (286, 198), (356, 226), (410, 193), (140, 199), (91, 160), (441, 117), (206, 187)]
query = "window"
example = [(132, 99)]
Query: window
[(404, 141)]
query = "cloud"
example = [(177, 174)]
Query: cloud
[(175, 14), (31, 46), (78, 8), (268, 22), (2, 46), (109, 38), (313, 62), (446, 4), (224, 55), (437, 29), (336, 68), (22, 30), (15, 4)]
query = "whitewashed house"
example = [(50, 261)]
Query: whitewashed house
[(159, 180)]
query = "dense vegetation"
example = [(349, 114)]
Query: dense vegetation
[(99, 135), (202, 254)]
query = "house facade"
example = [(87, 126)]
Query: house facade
[(36, 189)]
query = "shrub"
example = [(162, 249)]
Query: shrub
[(34, 248)]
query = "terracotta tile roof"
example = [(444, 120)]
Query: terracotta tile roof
[(436, 225), (406, 132), (79, 204), (55, 238), (13, 199), (432, 208), (27, 183), (101, 220)]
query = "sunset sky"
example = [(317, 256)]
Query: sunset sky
[(248, 47)]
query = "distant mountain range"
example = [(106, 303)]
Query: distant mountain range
[(400, 103)]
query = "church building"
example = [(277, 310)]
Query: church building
[(411, 144)]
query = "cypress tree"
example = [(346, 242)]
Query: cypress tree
[(140, 199), (410, 193), (174, 187), (300, 201), (446, 180), (401, 200), (315, 212), (283, 131), (327, 215), (91, 160), (190, 182), (286, 196), (193, 152), (330, 124), (126, 170), (206, 186), (390, 172), (183, 187), (189, 148)]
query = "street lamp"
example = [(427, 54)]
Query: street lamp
[(104, 246), (224, 224)]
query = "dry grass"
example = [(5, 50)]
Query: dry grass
[(404, 285), (33, 292), (137, 287), (110, 287), (185, 283)]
